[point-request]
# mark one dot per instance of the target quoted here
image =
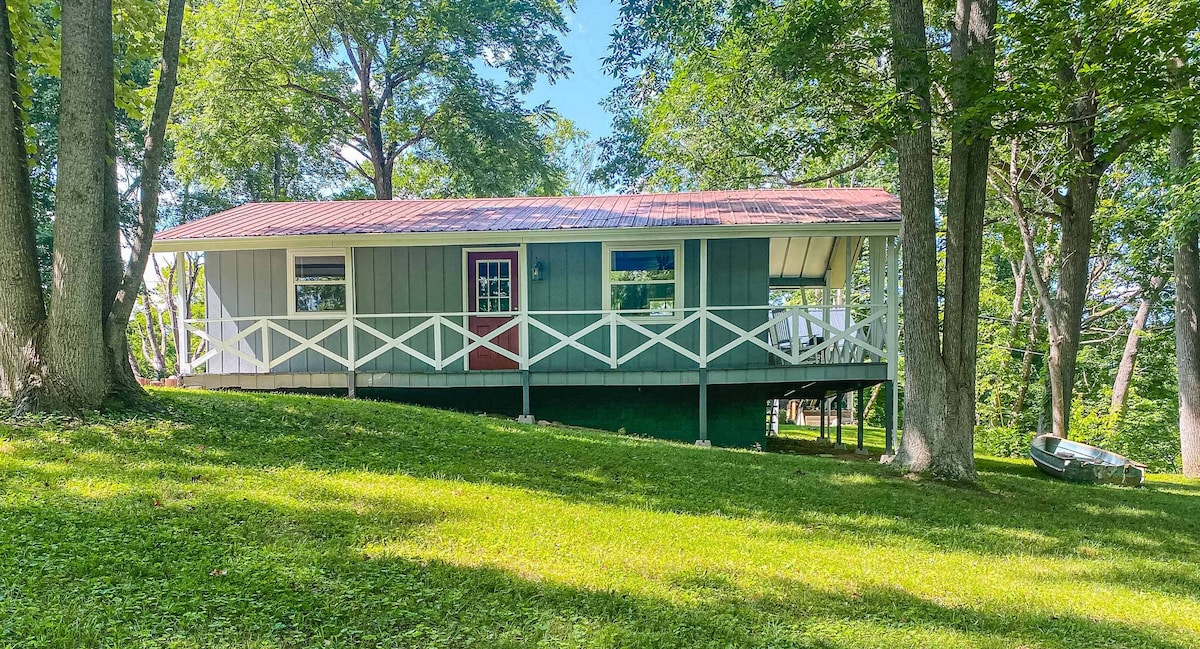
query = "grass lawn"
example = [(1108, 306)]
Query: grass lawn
[(793, 438), (227, 520)]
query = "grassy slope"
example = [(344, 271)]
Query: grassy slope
[(256, 520)]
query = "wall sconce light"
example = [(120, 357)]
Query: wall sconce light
[(538, 272)]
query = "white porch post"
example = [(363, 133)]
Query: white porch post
[(351, 340), (876, 258), (849, 283), (702, 375), (182, 350), (523, 277), (703, 303)]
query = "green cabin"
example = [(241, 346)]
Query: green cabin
[(672, 315)]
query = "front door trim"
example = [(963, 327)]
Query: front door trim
[(521, 275)]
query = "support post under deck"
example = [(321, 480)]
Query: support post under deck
[(526, 410), (838, 413), (889, 419), (824, 406), (703, 441), (860, 449)]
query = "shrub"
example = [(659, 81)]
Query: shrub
[(1002, 441)]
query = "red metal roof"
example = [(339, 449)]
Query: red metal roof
[(718, 208)]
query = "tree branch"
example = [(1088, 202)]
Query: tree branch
[(354, 165), (866, 157)]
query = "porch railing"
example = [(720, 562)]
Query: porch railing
[(698, 337)]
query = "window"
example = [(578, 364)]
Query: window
[(493, 285), (645, 279), (318, 281)]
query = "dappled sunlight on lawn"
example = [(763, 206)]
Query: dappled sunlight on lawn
[(295, 520)]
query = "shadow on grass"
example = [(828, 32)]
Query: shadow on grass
[(168, 562), (1013, 510)]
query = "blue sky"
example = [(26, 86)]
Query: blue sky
[(578, 96)]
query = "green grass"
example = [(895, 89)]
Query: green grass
[(289, 521), (874, 440)]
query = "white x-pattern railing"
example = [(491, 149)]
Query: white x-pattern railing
[(789, 335)]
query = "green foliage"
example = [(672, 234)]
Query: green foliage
[(223, 519), (1003, 441), (768, 93), (444, 83)]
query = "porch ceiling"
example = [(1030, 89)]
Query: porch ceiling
[(813, 258)]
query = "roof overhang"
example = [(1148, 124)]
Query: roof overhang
[(487, 237)]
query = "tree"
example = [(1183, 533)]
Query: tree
[(380, 83), (1187, 286), (129, 285), (939, 395), (1085, 83), (75, 335), (22, 310), (73, 354), (779, 94)]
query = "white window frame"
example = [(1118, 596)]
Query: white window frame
[(677, 247), (345, 253), (512, 304)]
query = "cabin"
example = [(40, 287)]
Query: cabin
[(671, 315)]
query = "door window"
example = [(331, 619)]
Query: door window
[(493, 285)]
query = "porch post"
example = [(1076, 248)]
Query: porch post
[(703, 441), (849, 283), (889, 418), (526, 411), (523, 305), (703, 371), (839, 445), (875, 262), (860, 449), (703, 303), (351, 340), (182, 351), (824, 404)]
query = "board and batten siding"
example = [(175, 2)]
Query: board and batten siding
[(429, 279), (254, 283), (413, 279)]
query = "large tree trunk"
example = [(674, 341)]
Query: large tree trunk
[(22, 307), (130, 285), (924, 373), (973, 56), (1066, 317), (1187, 316), (75, 343), (1124, 378)]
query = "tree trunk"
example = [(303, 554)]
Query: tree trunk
[(154, 355), (22, 307), (1066, 317), (1031, 341), (1187, 315), (75, 343), (1018, 302), (117, 322), (1124, 376), (925, 377), (276, 175), (973, 56)]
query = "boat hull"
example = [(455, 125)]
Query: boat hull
[(1078, 462)]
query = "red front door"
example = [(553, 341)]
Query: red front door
[(493, 289)]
